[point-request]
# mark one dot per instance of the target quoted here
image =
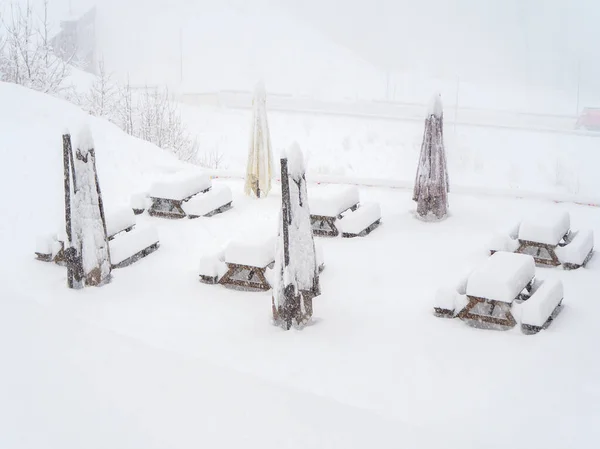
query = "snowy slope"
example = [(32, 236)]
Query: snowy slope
[(31, 172)]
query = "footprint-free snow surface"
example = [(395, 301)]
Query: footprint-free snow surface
[(156, 359)]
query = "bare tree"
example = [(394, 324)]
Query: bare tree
[(125, 110), (101, 101), (160, 123), (27, 58), (211, 159)]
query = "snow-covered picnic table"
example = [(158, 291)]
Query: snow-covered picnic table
[(503, 285), (243, 261), (247, 257), (492, 288), (541, 233), (168, 195), (327, 204), (547, 236)]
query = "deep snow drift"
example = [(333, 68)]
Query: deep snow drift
[(156, 359)]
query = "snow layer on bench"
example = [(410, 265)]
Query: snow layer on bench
[(181, 185), (547, 226), (445, 298), (501, 242), (119, 220), (363, 217), (252, 248), (579, 248), (536, 310), (205, 203), (44, 243), (501, 277), (139, 201), (130, 243), (331, 201), (212, 264)]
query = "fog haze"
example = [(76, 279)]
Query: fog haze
[(357, 43)]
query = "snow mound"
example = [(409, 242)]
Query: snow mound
[(536, 310), (435, 105), (295, 160), (180, 186), (119, 220), (445, 298), (501, 277), (363, 217), (84, 141), (211, 265), (131, 243), (501, 242), (125, 164), (332, 200), (208, 202), (546, 226), (255, 248), (578, 249)]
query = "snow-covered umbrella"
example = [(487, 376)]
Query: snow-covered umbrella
[(431, 183), (259, 167), (296, 271), (87, 250)]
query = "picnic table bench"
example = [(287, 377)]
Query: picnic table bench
[(122, 220), (215, 201), (328, 205), (360, 222), (139, 202), (127, 242), (127, 248)]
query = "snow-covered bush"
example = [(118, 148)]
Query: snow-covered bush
[(150, 114), (26, 55), (296, 270), (160, 123), (102, 99)]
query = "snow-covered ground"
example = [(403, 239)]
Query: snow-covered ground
[(157, 359)]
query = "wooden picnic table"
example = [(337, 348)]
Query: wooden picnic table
[(494, 286), (327, 205), (325, 225), (540, 235), (168, 196), (247, 258), (246, 277)]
